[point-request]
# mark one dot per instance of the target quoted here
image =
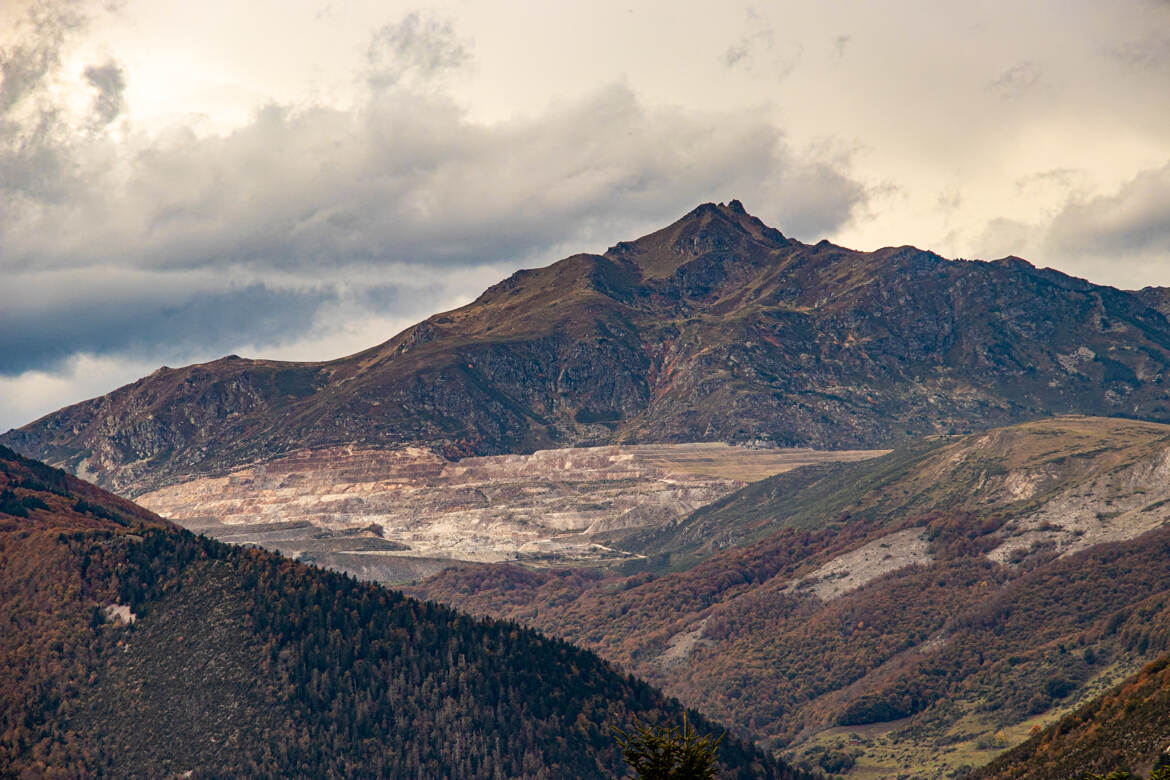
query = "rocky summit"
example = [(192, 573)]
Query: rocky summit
[(715, 328)]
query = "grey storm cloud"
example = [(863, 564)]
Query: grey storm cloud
[(25, 66), (22, 70), (408, 179), (841, 45), (136, 323), (1016, 81), (109, 80), (312, 220), (405, 181), (741, 52), (760, 50), (1149, 52), (34, 136), (1132, 221)]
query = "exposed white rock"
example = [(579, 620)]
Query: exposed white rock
[(681, 645), (120, 613), (1069, 362), (1110, 507), (849, 571), (549, 504)]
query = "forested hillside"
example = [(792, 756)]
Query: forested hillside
[(1126, 729), (128, 646), (938, 597)]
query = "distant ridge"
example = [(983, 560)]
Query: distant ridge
[(716, 327)]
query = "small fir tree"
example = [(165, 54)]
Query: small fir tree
[(669, 753)]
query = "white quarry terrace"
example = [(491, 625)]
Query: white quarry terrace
[(396, 515)]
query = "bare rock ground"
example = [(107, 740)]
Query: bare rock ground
[(412, 511)]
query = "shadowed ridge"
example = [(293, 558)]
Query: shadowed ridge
[(1157, 298), (39, 499), (1128, 727)]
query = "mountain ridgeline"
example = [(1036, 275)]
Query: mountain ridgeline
[(715, 328), (129, 647)]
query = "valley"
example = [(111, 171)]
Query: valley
[(450, 390)]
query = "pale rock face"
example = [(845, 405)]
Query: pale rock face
[(849, 571), (551, 505), (1111, 507), (681, 645), (120, 613)]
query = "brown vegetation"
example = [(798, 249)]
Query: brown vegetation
[(960, 643), (1127, 728)]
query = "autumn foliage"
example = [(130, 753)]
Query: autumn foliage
[(242, 663)]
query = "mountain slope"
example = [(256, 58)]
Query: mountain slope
[(714, 328), (933, 597), (375, 513), (1129, 727), (1015, 470), (131, 647)]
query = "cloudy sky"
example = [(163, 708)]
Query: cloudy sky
[(300, 179)]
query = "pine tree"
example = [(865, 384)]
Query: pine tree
[(668, 753)]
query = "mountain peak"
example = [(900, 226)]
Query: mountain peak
[(723, 228), (715, 327), (732, 211)]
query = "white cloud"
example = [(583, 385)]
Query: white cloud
[(33, 394), (176, 160), (1124, 234), (313, 224), (408, 178)]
